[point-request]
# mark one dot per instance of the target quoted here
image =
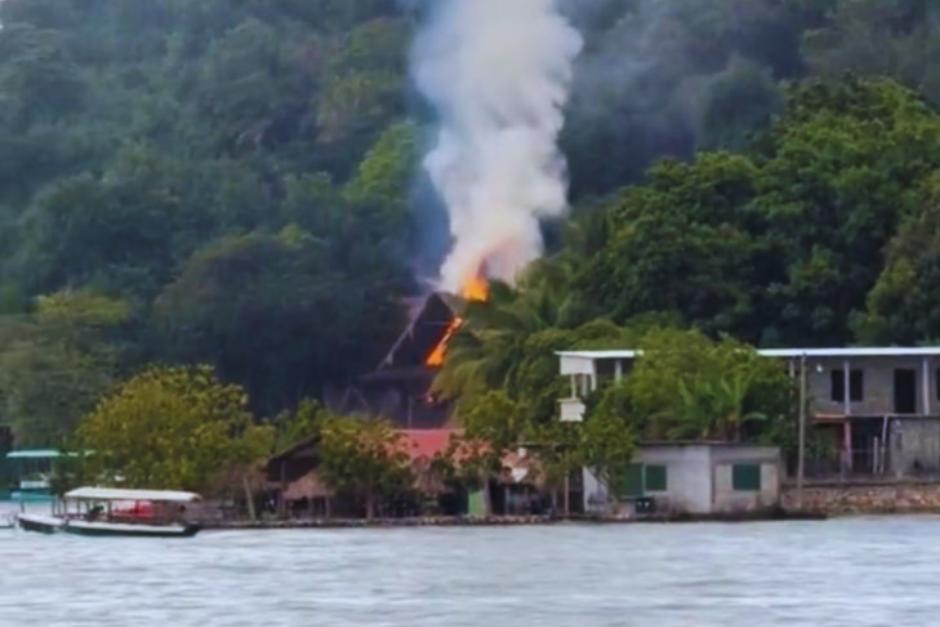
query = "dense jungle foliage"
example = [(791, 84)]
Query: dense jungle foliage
[(235, 183)]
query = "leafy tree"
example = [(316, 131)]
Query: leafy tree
[(685, 386), (252, 304), (364, 457), (902, 306), (681, 225), (178, 428), (153, 148), (873, 38), (292, 427), (604, 442), (492, 428), (57, 361), (38, 79), (609, 438), (779, 246)]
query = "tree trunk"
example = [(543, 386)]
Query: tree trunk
[(250, 499), (370, 506), (567, 496)]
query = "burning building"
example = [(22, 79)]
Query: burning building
[(399, 389)]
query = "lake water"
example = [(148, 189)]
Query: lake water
[(854, 571)]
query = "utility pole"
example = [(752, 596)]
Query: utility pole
[(800, 463)]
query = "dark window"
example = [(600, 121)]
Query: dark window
[(856, 385), (746, 477), (937, 383), (905, 391), (656, 479), (837, 385)]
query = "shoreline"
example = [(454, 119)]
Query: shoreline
[(503, 521)]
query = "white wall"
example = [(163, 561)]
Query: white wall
[(729, 500), (688, 480), (699, 479)]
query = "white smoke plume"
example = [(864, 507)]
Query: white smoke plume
[(498, 73)]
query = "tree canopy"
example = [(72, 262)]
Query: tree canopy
[(240, 180), (171, 428), (364, 457)]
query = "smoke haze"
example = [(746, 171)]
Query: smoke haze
[(498, 75)]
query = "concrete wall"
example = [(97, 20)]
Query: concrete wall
[(688, 480), (878, 388), (866, 498), (729, 500), (914, 446)]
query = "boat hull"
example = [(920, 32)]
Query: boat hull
[(39, 523), (85, 528)]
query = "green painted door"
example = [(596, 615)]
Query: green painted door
[(633, 481)]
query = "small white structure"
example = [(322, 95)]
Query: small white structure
[(700, 478)]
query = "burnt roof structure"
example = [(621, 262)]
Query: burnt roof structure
[(424, 332), (400, 388)]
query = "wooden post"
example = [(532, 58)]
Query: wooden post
[(281, 501), (846, 385), (884, 444), (847, 437), (801, 454), (926, 386)]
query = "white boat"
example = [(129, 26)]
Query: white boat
[(117, 512), (42, 523)]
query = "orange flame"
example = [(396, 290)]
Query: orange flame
[(436, 358), (477, 289)]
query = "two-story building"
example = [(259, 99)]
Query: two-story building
[(880, 406)]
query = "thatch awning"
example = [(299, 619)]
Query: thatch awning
[(310, 486)]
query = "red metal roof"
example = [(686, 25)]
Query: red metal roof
[(426, 443)]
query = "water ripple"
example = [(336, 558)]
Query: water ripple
[(861, 571)]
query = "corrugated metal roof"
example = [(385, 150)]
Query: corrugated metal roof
[(872, 351), (115, 494), (427, 443), (864, 351), (34, 454)]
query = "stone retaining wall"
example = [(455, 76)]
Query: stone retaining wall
[(866, 498), (346, 523)]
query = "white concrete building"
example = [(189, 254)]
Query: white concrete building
[(700, 478), (880, 406)]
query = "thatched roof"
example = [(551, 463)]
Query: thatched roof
[(310, 486)]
